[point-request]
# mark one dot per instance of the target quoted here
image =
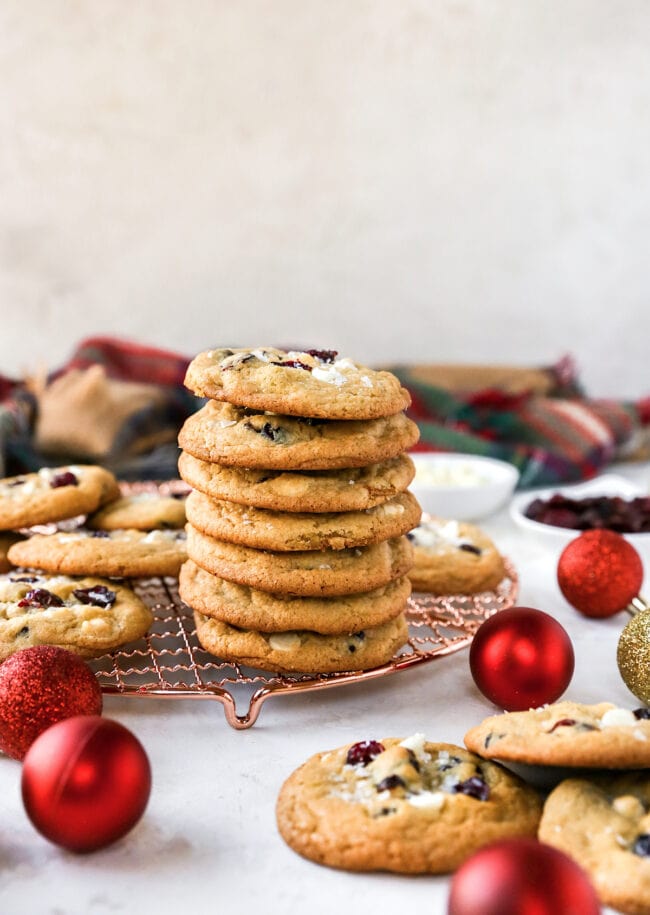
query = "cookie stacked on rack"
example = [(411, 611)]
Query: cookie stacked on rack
[(296, 522)]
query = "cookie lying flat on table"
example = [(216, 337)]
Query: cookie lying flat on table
[(237, 437), (288, 531), (143, 511), (249, 608), (407, 806), (54, 493), (89, 616), (352, 489), (300, 651), (124, 554), (310, 573), (599, 736), (313, 383), (453, 558), (604, 825)]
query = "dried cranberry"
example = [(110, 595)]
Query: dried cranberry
[(100, 534), (63, 479), (642, 845), (325, 355), (470, 548), (360, 754), (641, 713), (295, 364), (40, 597), (391, 781), (593, 513), (563, 723), (98, 596), (473, 787)]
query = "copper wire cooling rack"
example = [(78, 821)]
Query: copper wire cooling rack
[(169, 663)]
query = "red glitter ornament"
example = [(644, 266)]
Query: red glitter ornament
[(599, 573), (521, 877), (86, 782), (38, 687), (521, 658)]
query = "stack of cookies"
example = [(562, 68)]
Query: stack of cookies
[(297, 554)]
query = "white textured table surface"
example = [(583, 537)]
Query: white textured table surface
[(208, 837)]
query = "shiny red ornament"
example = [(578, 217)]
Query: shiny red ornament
[(521, 877), (38, 687), (599, 573), (521, 658), (86, 782)]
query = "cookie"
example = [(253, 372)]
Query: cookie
[(124, 554), (270, 530), (88, 616), (566, 734), (314, 383), (454, 558), (145, 511), (605, 827), (407, 806), (7, 540), (347, 490), (300, 651), (249, 608), (54, 493), (312, 573), (237, 437)]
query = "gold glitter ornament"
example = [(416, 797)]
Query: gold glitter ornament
[(633, 655)]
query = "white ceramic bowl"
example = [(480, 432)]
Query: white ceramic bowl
[(462, 487), (548, 534)]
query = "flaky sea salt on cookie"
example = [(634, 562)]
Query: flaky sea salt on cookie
[(408, 806), (238, 437), (88, 616), (53, 494), (604, 825), (316, 383), (123, 553), (601, 736)]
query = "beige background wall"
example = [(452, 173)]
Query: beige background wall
[(402, 180)]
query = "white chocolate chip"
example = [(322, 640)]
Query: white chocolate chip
[(629, 806), (415, 742), (393, 509), (284, 641), (618, 717), (431, 800), (329, 375)]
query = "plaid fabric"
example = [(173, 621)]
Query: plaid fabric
[(122, 360), (550, 439)]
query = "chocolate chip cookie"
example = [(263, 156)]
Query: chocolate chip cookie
[(249, 608), (143, 511), (604, 825), (89, 616), (300, 651), (290, 531), (407, 806), (238, 437), (313, 383), (54, 493), (599, 736), (309, 573), (452, 557), (351, 489), (124, 554)]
